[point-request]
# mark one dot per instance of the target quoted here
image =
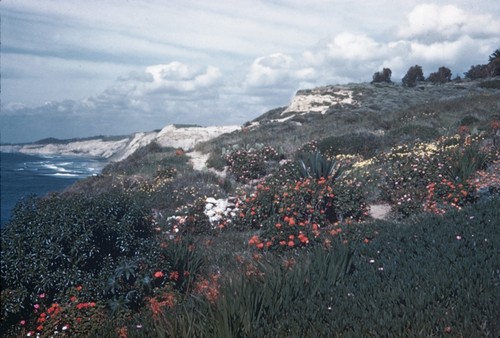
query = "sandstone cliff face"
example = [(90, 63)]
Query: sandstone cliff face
[(116, 150)]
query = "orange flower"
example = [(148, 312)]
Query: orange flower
[(303, 239), (291, 221), (253, 240), (123, 332), (291, 243), (278, 225), (174, 275), (260, 245), (158, 274)]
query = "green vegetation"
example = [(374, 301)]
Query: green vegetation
[(142, 250)]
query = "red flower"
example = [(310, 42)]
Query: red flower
[(174, 275), (158, 274)]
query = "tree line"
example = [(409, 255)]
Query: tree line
[(443, 74)]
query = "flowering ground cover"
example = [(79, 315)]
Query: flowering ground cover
[(133, 253)]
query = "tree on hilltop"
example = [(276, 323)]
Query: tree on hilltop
[(384, 76), (491, 69), (494, 55), (477, 72), (443, 75), (413, 75)]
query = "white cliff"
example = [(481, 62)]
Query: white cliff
[(116, 150)]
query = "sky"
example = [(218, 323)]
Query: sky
[(78, 68)]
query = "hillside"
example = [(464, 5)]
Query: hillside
[(268, 230), (398, 113)]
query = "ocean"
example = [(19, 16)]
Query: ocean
[(23, 175)]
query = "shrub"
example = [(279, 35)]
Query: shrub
[(494, 67), (250, 164), (491, 84), (468, 120), (364, 144), (413, 75), (428, 176), (407, 172), (443, 75), (384, 76), (411, 132), (291, 212), (465, 162), (73, 240), (318, 166), (216, 160), (147, 161), (495, 55), (477, 72)]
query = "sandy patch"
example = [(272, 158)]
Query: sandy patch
[(380, 211)]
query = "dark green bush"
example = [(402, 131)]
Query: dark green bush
[(290, 211), (384, 76), (412, 132), (147, 161), (412, 76), (54, 243), (246, 165), (364, 144), (443, 75), (477, 72), (468, 120), (216, 160), (493, 84)]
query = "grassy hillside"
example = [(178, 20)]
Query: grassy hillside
[(277, 239)]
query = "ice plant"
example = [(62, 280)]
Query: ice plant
[(158, 274)]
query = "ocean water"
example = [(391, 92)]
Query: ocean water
[(23, 175)]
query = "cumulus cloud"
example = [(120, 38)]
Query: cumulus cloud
[(174, 77), (432, 36), (269, 70), (222, 75), (432, 22)]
